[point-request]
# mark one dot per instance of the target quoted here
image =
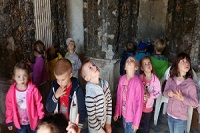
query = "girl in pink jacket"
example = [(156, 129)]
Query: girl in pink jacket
[(130, 95), (152, 90), (23, 102), (181, 91)]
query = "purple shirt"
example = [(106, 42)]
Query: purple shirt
[(39, 72)]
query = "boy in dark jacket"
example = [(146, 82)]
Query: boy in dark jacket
[(63, 88)]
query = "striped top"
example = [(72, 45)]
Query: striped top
[(99, 104)]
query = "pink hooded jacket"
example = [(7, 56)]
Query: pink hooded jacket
[(154, 89), (134, 100), (33, 103)]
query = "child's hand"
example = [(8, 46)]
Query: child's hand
[(108, 128), (115, 118), (28, 62), (73, 127), (179, 95), (10, 128), (171, 94), (60, 92), (134, 128)]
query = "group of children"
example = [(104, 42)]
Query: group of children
[(180, 89), (67, 99)]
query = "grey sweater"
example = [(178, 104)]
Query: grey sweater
[(99, 106)]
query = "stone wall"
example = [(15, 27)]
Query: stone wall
[(183, 29), (108, 25), (17, 33)]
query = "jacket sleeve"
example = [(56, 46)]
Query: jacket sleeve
[(156, 89), (108, 97), (9, 109), (138, 103), (38, 101), (118, 97), (191, 99), (51, 100), (81, 106), (167, 88)]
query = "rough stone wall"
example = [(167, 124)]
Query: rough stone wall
[(108, 24), (59, 23), (17, 33), (127, 19), (183, 30)]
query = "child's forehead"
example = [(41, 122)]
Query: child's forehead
[(71, 42), (19, 70), (130, 57)]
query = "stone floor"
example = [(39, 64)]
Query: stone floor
[(162, 127)]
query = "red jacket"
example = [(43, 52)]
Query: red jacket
[(33, 103)]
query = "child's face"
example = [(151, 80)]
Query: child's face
[(71, 46), (146, 66), (131, 64), (183, 66), (21, 78), (64, 80), (91, 72)]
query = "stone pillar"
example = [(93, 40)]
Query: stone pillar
[(100, 28)]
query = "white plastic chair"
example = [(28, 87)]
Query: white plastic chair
[(162, 99)]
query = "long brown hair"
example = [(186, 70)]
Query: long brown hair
[(174, 69)]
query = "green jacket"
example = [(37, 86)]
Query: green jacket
[(160, 66)]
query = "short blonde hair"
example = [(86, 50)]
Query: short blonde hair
[(62, 66), (159, 45)]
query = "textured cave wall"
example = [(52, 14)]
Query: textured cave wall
[(183, 30), (59, 23), (17, 33), (108, 25)]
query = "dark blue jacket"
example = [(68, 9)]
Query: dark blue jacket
[(51, 104)]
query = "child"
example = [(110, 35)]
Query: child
[(130, 95), (53, 123), (142, 47), (159, 61), (182, 93), (73, 57), (39, 75), (98, 99), (129, 52), (56, 123), (63, 89), (23, 102), (152, 91), (52, 58)]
